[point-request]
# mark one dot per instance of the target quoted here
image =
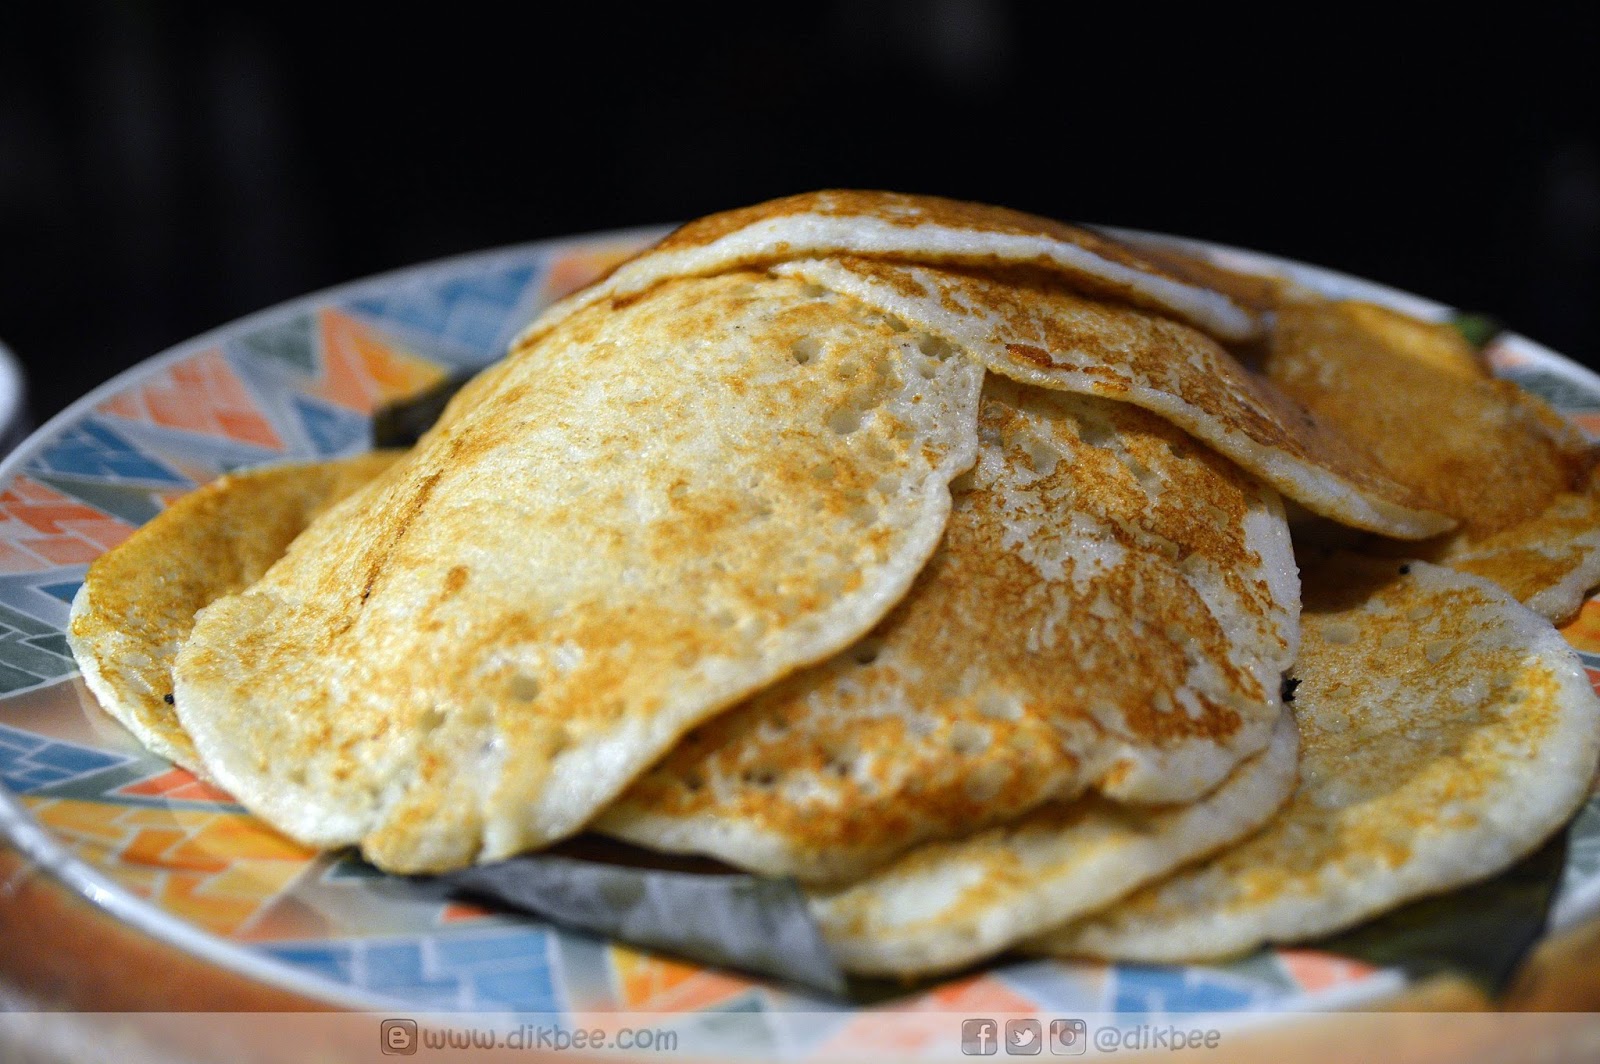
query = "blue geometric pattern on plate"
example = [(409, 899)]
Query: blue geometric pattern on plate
[(92, 449), (26, 593), (333, 431), (291, 342), (175, 446), (499, 972), (1150, 990), (29, 762), (469, 313), (32, 648), (132, 503), (65, 591), (1560, 392)]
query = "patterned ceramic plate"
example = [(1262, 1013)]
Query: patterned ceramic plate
[(181, 860)]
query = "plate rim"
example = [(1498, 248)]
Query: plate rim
[(43, 851)]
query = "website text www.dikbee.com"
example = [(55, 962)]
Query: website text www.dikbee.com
[(403, 1038)]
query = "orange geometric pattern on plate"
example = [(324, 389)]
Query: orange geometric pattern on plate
[(1584, 630), (213, 868), (40, 528), (576, 269), (200, 394), (1313, 971), (1589, 423), (460, 911), (656, 984), (362, 370), (1503, 356), (981, 992), (177, 783)]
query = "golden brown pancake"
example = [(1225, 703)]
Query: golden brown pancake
[(1113, 607), (1026, 326), (1548, 562), (920, 229), (950, 904), (138, 601), (649, 515), (1417, 396), (1445, 732), (1412, 395), (1260, 293)]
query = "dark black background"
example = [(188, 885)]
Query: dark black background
[(166, 166)]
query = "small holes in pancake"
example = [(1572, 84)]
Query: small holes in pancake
[(1000, 707), (987, 782), (864, 514), (968, 738), (844, 421), (1095, 434), (1340, 632), (760, 777), (524, 688), (693, 781), (1042, 458), (816, 291), (935, 347), (866, 652), (1148, 480), (805, 350)]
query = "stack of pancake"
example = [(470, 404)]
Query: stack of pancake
[(931, 554)]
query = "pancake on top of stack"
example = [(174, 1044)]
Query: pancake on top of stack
[(929, 553)]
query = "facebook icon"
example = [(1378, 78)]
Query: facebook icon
[(980, 1038)]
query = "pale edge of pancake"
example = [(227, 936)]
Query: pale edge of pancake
[(733, 830), (950, 904), (1316, 488), (1565, 539), (125, 709), (791, 236), (1537, 791), (1560, 601), (117, 666), (210, 687)]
